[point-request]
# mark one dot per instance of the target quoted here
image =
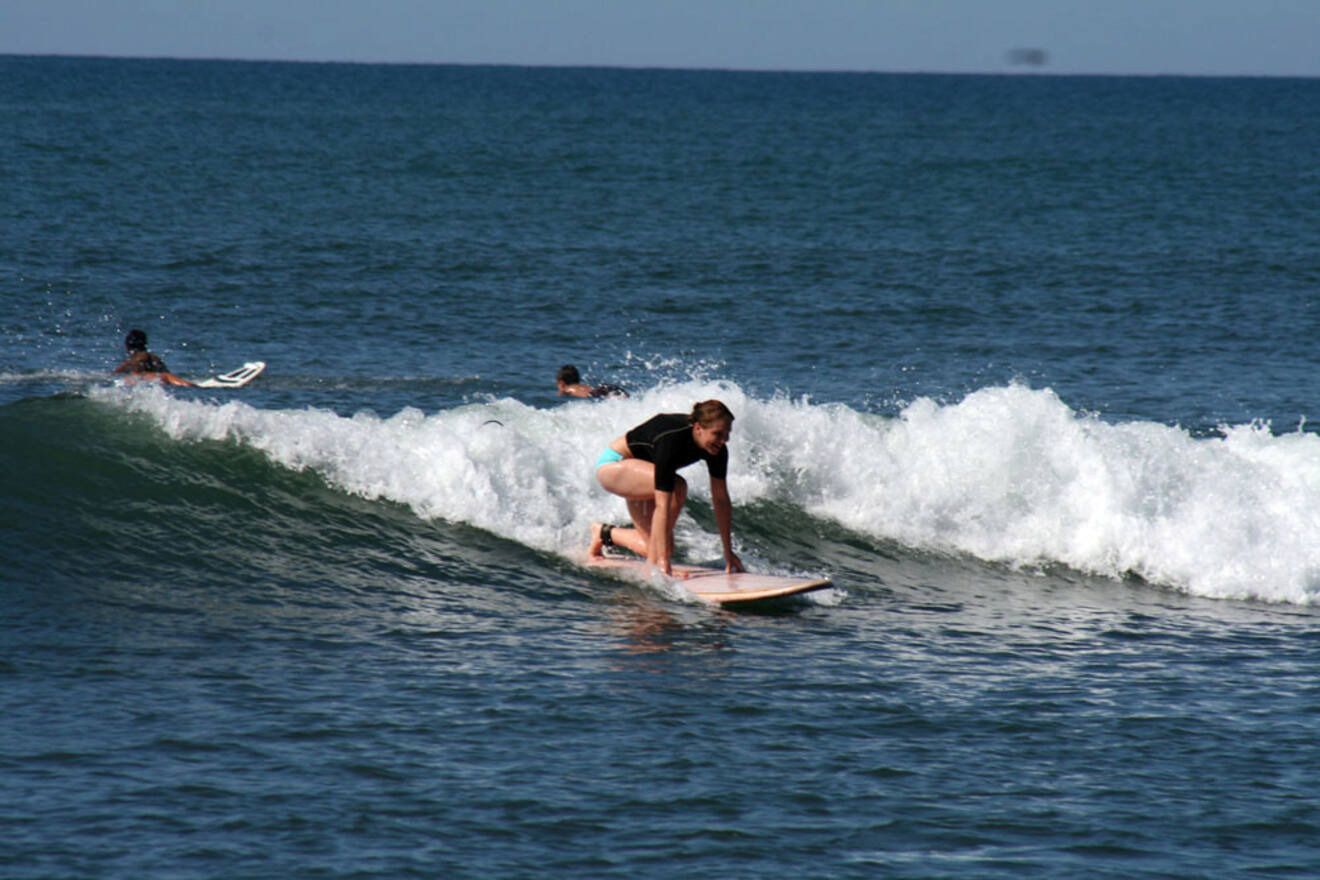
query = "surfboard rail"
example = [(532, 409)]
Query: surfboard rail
[(717, 585)]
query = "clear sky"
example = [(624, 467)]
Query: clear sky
[(1210, 37)]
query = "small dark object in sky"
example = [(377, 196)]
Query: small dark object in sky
[(1029, 57)]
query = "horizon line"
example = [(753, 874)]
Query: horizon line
[(842, 71)]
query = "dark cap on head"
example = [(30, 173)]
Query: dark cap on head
[(136, 340)]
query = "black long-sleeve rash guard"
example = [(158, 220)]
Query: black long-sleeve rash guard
[(666, 441)]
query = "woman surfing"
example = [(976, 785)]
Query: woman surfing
[(642, 467)]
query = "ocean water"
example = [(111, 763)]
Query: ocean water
[(1024, 364)]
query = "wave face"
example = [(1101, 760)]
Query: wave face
[(1008, 475)]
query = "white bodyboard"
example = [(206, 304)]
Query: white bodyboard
[(235, 378)]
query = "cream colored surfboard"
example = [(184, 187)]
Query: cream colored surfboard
[(715, 584)]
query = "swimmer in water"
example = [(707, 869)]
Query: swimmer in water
[(570, 383), (142, 364)]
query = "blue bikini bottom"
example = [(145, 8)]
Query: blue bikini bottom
[(609, 456)]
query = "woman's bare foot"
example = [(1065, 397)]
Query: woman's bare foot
[(597, 542)]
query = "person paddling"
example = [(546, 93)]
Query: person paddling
[(142, 364), (569, 382), (642, 467)]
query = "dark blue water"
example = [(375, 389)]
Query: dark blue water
[(1023, 363)]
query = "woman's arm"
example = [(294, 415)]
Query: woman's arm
[(660, 551), (169, 378), (719, 497)]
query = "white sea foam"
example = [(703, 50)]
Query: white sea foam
[(1009, 474), (1013, 475)]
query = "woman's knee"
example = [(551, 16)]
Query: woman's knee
[(640, 512)]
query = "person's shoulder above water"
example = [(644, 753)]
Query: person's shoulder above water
[(142, 364), (607, 390), (570, 384)]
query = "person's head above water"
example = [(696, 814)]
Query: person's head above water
[(568, 375), (136, 340)]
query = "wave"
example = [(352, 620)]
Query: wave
[(1008, 475), (1014, 475)]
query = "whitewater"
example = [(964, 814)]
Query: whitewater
[(1009, 475)]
